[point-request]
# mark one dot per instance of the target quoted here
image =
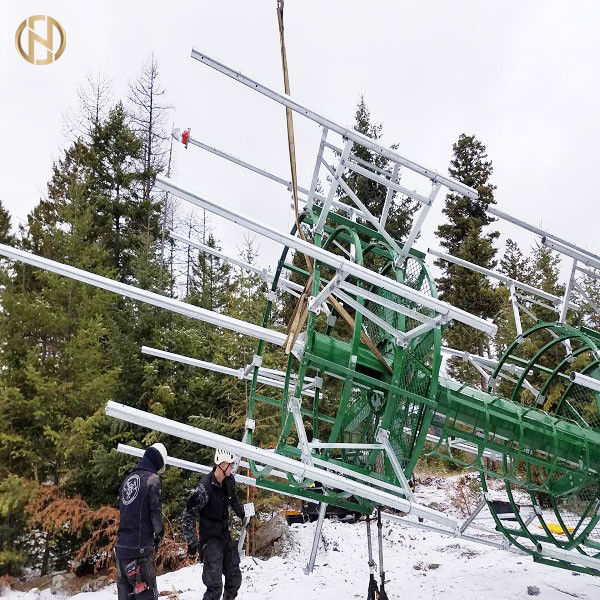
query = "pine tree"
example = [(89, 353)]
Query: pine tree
[(148, 116), (210, 282), (5, 228), (514, 264), (95, 98), (545, 273), (463, 236)]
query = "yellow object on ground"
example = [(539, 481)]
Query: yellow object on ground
[(556, 528)]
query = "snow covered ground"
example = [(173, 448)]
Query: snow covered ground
[(419, 565)]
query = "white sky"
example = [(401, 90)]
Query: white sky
[(523, 76)]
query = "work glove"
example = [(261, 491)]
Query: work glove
[(157, 539), (192, 550)]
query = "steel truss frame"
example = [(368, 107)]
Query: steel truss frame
[(475, 421)]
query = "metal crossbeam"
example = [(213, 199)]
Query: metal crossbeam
[(498, 213), (508, 281), (130, 291), (267, 276), (583, 257), (262, 377), (329, 258), (311, 194), (284, 463), (347, 133)]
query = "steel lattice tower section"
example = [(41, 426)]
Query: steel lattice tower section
[(362, 397)]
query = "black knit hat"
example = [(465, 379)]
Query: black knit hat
[(154, 456)]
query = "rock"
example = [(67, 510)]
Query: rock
[(273, 530), (433, 566), (533, 590), (58, 581)]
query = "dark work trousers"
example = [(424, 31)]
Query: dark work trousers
[(221, 558), (125, 585)]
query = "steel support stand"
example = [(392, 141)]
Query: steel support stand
[(373, 590), (382, 594), (315, 545)]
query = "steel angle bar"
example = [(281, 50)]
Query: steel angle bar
[(332, 466), (508, 281), (234, 159), (571, 556), (317, 537), (284, 463), (383, 437), (282, 375), (365, 163), (337, 178), (387, 303), (329, 258), (385, 181), (586, 297), (481, 370), (498, 213), (552, 307), (266, 275), (490, 362), (418, 330), (315, 178), (388, 197), (585, 258), (528, 312), (515, 306), (565, 303), (246, 165), (594, 275), (209, 366), (130, 291), (365, 211), (344, 445), (466, 447), (470, 538), (345, 132), (187, 465), (471, 517), (418, 223), (399, 336), (338, 245), (314, 303)]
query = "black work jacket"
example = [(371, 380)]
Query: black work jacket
[(140, 508), (209, 506)]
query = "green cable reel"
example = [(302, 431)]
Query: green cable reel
[(548, 451)]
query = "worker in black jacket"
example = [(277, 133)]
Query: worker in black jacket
[(140, 526), (209, 505)]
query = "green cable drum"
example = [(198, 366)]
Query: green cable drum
[(535, 371), (533, 430)]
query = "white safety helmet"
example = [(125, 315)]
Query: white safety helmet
[(163, 452), (222, 456)]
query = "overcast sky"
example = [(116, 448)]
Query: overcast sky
[(524, 77)]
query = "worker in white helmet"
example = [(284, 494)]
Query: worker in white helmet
[(209, 507)]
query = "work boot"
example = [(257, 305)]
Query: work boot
[(228, 596)]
